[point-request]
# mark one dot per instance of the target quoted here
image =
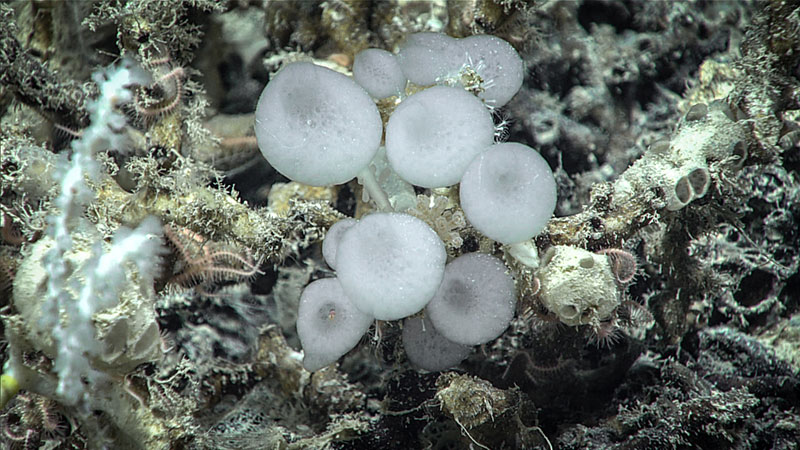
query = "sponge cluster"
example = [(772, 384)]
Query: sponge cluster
[(389, 266), (319, 127)]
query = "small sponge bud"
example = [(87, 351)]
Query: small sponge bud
[(578, 286), (508, 193), (390, 264), (331, 242), (328, 324), (379, 73), (476, 300)]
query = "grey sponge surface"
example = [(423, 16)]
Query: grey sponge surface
[(476, 300), (508, 193), (332, 237), (429, 350), (379, 73)]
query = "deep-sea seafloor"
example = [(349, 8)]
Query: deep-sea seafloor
[(620, 97)]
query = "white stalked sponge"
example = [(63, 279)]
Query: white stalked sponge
[(379, 73), (476, 300), (508, 193), (434, 134), (390, 264), (429, 350), (328, 324), (316, 126), (498, 64)]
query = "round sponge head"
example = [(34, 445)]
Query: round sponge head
[(508, 193), (429, 350), (476, 300), (498, 64), (328, 324), (434, 134), (379, 73), (316, 126), (390, 264)]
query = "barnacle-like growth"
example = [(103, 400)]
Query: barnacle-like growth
[(583, 288), (578, 286)]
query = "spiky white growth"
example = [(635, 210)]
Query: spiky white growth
[(75, 334)]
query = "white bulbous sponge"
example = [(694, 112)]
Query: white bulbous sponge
[(434, 134), (429, 350), (332, 237), (379, 73), (476, 300), (508, 193), (328, 324), (498, 64), (316, 126), (390, 264)]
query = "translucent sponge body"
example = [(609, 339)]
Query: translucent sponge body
[(331, 242), (328, 324), (316, 126), (434, 134), (508, 193), (390, 264), (476, 300)]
